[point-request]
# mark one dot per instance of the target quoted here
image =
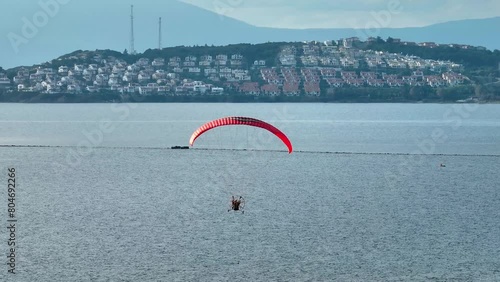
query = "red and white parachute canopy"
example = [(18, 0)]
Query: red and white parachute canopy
[(240, 121)]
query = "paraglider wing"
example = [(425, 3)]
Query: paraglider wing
[(240, 121)]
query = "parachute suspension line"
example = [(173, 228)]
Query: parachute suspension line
[(233, 138), (212, 140), (219, 139)]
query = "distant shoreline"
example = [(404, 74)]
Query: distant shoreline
[(62, 98)]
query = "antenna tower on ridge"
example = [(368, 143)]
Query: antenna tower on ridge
[(132, 49), (159, 34)]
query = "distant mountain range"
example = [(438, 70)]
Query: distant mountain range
[(80, 26)]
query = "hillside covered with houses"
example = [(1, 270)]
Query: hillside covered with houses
[(297, 69)]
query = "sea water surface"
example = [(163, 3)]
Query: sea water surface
[(100, 196)]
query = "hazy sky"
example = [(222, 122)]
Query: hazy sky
[(349, 13), (34, 31)]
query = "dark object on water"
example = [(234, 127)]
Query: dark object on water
[(180, 147)]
